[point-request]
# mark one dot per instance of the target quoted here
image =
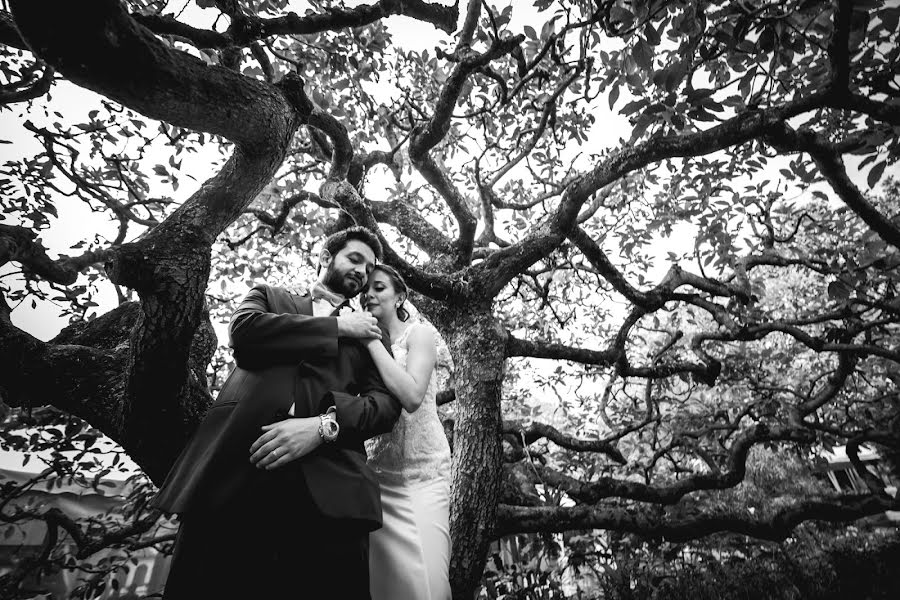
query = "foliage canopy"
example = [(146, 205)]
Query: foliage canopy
[(722, 277)]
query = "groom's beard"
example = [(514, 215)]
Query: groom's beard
[(348, 284)]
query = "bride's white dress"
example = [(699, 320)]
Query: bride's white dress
[(409, 556)]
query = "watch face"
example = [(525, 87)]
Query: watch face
[(330, 429)]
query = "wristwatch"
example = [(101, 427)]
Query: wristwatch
[(328, 426)]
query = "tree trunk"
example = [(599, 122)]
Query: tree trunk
[(152, 388), (477, 344)]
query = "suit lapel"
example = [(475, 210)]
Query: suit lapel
[(304, 305), (302, 302)]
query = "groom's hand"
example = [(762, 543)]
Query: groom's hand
[(285, 441), (360, 325)]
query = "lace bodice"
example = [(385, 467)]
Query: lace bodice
[(416, 449)]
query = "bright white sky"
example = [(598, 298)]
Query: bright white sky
[(74, 103), (76, 222)]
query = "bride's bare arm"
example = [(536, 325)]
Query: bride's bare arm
[(408, 386)]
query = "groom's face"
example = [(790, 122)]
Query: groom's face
[(347, 271)]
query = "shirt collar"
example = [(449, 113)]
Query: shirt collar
[(318, 291)]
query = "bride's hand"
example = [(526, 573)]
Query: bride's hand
[(361, 325)]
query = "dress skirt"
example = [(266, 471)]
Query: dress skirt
[(409, 557)]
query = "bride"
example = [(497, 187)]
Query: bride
[(409, 556)]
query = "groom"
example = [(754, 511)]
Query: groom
[(275, 497)]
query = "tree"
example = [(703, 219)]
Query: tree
[(775, 324)]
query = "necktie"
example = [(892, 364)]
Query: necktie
[(320, 292)]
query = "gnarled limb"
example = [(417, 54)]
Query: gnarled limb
[(81, 380), (500, 267), (425, 137), (438, 178), (248, 29), (615, 355), (881, 111), (649, 524), (407, 219), (658, 296), (18, 244), (534, 349), (832, 168), (609, 487), (536, 431), (100, 47), (28, 88)]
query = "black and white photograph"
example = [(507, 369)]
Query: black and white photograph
[(449, 299)]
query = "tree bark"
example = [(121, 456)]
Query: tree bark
[(477, 344)]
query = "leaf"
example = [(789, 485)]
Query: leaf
[(766, 39), (641, 126), (613, 95), (890, 17), (622, 16), (875, 248), (633, 106), (530, 32), (875, 173), (548, 28), (673, 76), (838, 290), (711, 105), (746, 83), (652, 35), (643, 55), (867, 160)]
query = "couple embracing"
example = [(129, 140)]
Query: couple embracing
[(276, 495)]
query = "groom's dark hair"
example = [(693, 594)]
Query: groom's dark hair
[(335, 242)]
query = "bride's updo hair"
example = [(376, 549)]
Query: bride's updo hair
[(399, 286)]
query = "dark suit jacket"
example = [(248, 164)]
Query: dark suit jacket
[(285, 355)]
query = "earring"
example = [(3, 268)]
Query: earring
[(402, 313)]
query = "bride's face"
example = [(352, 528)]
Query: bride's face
[(381, 297)]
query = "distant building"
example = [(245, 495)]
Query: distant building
[(145, 574), (843, 477)]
